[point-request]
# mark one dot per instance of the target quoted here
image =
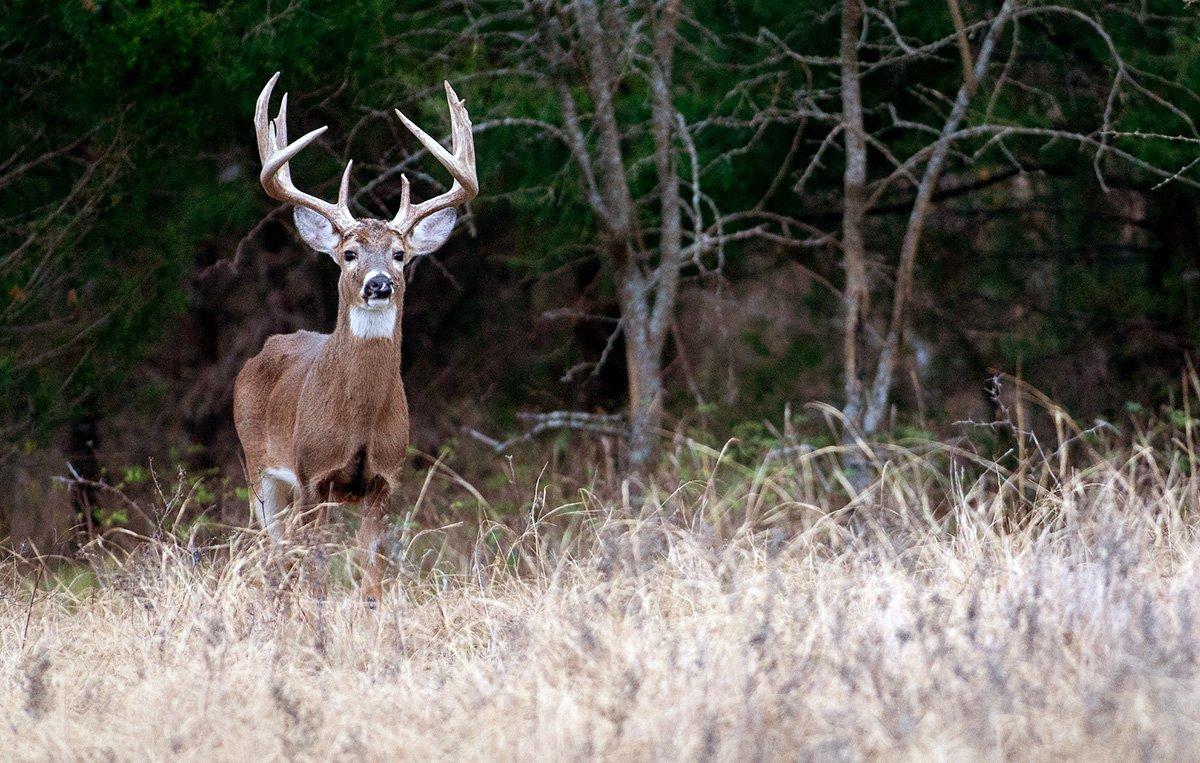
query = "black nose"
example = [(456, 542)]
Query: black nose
[(378, 287)]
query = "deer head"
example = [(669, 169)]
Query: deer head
[(371, 253)]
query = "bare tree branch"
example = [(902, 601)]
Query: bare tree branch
[(877, 403)]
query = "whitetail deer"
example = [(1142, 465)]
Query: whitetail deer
[(323, 417)]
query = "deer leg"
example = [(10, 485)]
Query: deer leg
[(276, 488), (268, 501), (370, 560)]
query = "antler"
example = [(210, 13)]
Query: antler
[(460, 163), (275, 153)]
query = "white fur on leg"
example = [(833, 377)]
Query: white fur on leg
[(273, 496), (283, 475), (368, 323)]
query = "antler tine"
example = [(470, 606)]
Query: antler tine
[(281, 120), (279, 124), (462, 139), (274, 168), (344, 188), (405, 196), (275, 152), (261, 130), (459, 161)]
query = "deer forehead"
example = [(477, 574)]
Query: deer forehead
[(372, 236)]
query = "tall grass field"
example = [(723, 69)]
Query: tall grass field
[(1042, 605)]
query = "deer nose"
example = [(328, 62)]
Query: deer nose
[(378, 287)]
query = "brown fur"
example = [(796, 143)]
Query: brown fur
[(331, 408), (326, 415)]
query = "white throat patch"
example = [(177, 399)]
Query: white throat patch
[(373, 323)]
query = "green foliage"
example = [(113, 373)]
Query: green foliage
[(137, 98), (150, 103)]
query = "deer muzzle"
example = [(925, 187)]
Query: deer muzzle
[(378, 288)]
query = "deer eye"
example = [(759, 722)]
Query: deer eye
[(349, 256), (398, 255)]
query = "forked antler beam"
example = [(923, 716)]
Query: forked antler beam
[(460, 161), (276, 177), (275, 152)]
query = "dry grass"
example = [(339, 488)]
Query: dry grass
[(956, 609)]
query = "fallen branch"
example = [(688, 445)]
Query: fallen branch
[(606, 424)]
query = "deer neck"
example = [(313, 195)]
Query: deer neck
[(358, 373), (367, 341), (362, 326)]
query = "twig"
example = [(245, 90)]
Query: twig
[(964, 48), (76, 479), (37, 583), (234, 263)]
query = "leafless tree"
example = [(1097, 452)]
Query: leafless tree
[(587, 54), (961, 128)]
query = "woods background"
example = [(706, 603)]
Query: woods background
[(695, 218)]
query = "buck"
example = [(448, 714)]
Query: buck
[(324, 417)]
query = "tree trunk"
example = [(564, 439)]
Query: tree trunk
[(643, 363), (646, 293), (854, 181), (643, 359), (650, 307)]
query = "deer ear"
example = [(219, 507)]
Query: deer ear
[(429, 234), (316, 231)]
